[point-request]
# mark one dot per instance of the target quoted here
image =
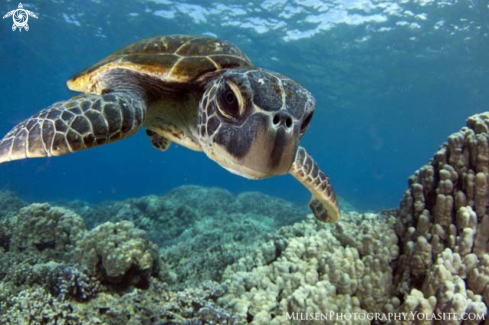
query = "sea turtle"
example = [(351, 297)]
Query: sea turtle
[(200, 92)]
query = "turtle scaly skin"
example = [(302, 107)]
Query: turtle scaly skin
[(307, 171), (200, 92), (77, 124)]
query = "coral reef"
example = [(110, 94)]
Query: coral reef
[(53, 271), (203, 251), (431, 256), (166, 217), (9, 204), (154, 305), (52, 231), (62, 273), (264, 206), (316, 268), (199, 230), (232, 228), (119, 253), (443, 226), (37, 260)]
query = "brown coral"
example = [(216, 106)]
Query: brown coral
[(443, 227), (52, 231), (119, 253)]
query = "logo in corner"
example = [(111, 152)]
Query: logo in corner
[(20, 17)]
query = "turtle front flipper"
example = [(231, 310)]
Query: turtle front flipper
[(323, 202), (80, 123)]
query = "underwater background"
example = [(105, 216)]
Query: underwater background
[(126, 234), (391, 80)]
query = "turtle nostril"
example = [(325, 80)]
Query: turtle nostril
[(276, 119), (288, 122), (283, 119)]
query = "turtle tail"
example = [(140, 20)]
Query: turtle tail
[(80, 123)]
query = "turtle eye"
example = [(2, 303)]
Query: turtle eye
[(230, 98), (230, 101)]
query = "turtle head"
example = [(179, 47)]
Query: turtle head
[(251, 121)]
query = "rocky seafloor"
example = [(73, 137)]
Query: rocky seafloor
[(204, 256)]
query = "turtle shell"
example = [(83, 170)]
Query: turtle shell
[(171, 59)]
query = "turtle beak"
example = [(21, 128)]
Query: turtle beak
[(274, 147), (268, 148)]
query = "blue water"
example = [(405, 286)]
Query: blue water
[(392, 80)]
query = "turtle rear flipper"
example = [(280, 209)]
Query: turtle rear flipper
[(159, 142), (80, 123), (323, 202)]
